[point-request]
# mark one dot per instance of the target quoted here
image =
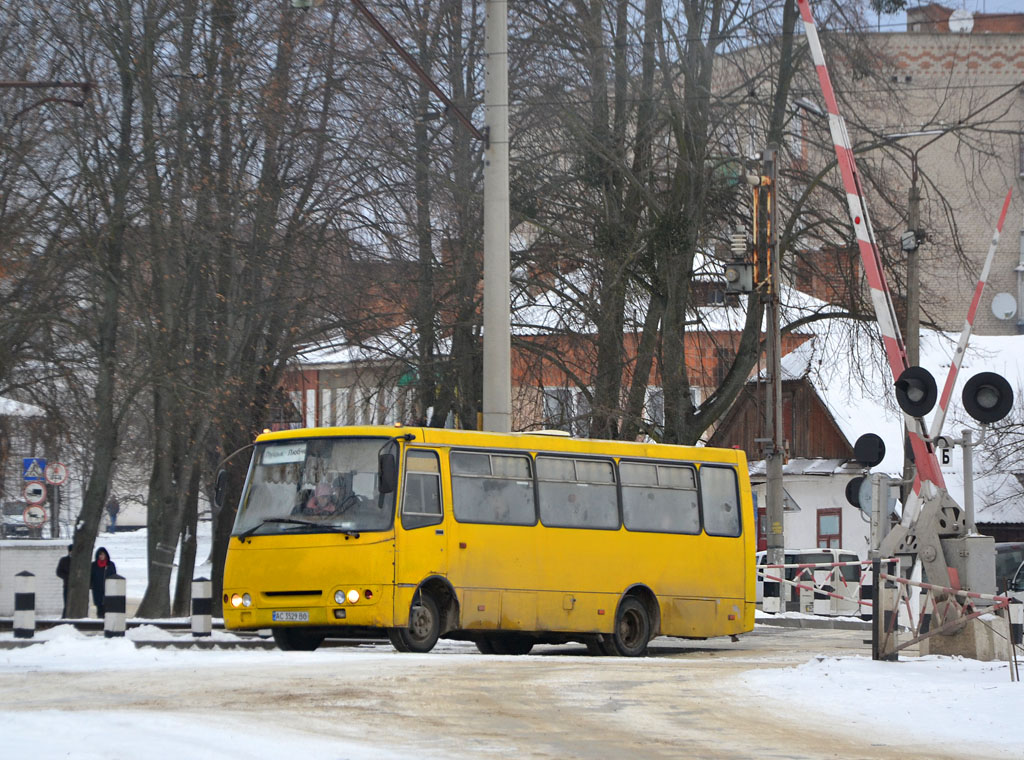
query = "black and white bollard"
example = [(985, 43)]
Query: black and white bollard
[(114, 607), (866, 588), (24, 605), (925, 616), (771, 595), (202, 607), (822, 604), (1016, 613)]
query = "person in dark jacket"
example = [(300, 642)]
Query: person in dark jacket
[(102, 568), (64, 572)]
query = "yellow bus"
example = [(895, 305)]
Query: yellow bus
[(506, 540)]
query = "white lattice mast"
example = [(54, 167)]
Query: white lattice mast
[(924, 453)]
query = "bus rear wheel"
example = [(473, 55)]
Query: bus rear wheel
[(632, 628), (296, 639), (424, 627)]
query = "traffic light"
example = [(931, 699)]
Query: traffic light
[(869, 451), (987, 397), (916, 392)]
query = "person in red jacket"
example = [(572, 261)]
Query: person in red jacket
[(102, 568)]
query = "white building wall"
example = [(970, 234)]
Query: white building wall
[(39, 558), (814, 492)]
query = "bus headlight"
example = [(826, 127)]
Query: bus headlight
[(353, 596), (246, 600), (339, 597), (236, 600)]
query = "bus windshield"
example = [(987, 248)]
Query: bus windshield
[(318, 485)]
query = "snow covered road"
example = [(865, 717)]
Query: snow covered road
[(778, 693)]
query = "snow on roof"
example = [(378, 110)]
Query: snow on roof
[(11, 408), (847, 370)]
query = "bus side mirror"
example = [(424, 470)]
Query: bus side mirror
[(219, 489), (387, 472)]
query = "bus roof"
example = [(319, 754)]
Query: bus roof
[(544, 441)]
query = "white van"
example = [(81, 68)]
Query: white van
[(844, 581)]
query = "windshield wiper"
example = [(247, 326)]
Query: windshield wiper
[(293, 521)]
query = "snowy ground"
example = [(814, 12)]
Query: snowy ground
[(948, 702)]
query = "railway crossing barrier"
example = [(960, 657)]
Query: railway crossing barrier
[(946, 611), (817, 588)]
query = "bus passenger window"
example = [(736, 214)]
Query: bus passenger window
[(659, 498), (719, 501), (421, 501), (577, 493), (492, 488)]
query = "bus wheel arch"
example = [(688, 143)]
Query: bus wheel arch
[(447, 602), (434, 611), (637, 622)]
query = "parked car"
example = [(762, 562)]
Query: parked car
[(13, 525), (1015, 586), (1009, 555), (845, 581)]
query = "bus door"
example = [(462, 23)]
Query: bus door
[(421, 546)]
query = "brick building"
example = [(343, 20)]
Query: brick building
[(951, 66)]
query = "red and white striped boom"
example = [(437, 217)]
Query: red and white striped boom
[(896, 352)]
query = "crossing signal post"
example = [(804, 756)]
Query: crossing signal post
[(942, 535), (870, 492)]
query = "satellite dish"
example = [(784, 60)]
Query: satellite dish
[(1004, 306), (961, 21)]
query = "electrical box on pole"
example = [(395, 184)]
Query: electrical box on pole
[(739, 272)]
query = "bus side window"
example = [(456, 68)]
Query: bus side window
[(719, 499), (492, 488), (577, 493), (659, 498), (421, 500)]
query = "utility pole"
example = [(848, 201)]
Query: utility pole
[(775, 444), (497, 381), (497, 369), (912, 331)]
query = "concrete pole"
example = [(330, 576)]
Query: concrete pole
[(776, 540), (968, 444), (497, 380), (912, 331)]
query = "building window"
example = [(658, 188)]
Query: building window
[(310, 407), (567, 409), (830, 528), (654, 408)]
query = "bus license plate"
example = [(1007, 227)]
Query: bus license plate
[(290, 617)]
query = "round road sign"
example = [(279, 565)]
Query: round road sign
[(34, 515), (35, 492), (56, 473)]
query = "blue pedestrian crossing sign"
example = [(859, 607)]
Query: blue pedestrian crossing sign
[(34, 468)]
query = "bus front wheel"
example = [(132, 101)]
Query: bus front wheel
[(632, 628), (296, 639), (424, 627)]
